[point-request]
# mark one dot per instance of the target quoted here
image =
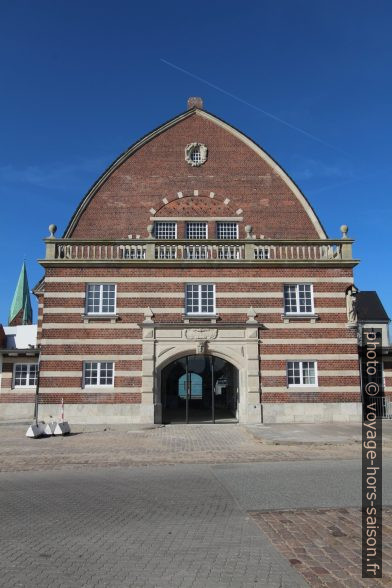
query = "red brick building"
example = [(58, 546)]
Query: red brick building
[(195, 282)]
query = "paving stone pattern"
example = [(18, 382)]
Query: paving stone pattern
[(324, 545), (156, 527), (94, 447)]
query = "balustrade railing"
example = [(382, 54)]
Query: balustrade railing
[(154, 250)]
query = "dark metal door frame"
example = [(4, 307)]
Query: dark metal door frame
[(212, 388), (188, 384)]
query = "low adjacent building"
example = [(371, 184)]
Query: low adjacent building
[(19, 356), (373, 319)]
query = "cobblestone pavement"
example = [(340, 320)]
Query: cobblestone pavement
[(155, 527), (76, 513), (324, 545), (122, 446)]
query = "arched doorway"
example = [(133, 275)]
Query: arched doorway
[(199, 388)]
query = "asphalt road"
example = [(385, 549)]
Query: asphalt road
[(161, 526)]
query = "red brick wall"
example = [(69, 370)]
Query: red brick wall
[(158, 170), (63, 296)]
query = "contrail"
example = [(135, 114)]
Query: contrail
[(269, 114), (338, 185)]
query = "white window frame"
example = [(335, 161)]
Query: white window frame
[(301, 373), (165, 223), (196, 223), (199, 311), (100, 312), (297, 299), (28, 375), (219, 225), (195, 155), (98, 385)]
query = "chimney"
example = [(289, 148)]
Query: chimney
[(195, 102), (2, 337)]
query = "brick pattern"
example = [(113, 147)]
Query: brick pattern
[(324, 545), (311, 396), (153, 178), (126, 341), (158, 170)]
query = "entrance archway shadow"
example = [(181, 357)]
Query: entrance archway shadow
[(199, 389)]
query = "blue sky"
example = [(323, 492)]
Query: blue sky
[(81, 81)]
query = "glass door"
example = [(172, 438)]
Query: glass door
[(199, 389)]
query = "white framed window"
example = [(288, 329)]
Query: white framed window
[(25, 374), (165, 230), (98, 373), (197, 230), (101, 299), (302, 373), (200, 298), (298, 299), (196, 155), (227, 230)]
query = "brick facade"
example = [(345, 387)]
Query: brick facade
[(152, 181)]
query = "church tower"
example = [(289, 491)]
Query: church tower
[(21, 312)]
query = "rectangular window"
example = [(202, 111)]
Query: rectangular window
[(101, 299), (165, 230), (25, 374), (298, 299), (227, 230), (200, 299), (302, 373), (196, 230), (98, 373)]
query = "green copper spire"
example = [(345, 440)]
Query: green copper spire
[(21, 312)]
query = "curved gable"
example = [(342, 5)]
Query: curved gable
[(154, 169)]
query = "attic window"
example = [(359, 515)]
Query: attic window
[(196, 155)]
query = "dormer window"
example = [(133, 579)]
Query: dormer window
[(196, 230)]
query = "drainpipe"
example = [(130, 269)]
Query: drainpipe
[(37, 391)]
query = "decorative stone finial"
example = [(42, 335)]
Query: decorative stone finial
[(344, 229), (148, 316), (248, 231), (52, 230), (195, 102), (251, 315), (150, 230)]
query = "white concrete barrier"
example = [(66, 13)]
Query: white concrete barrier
[(62, 429), (50, 428), (35, 431)]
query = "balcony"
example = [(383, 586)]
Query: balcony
[(240, 252)]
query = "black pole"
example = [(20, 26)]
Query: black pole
[(37, 394), (187, 392), (212, 388)]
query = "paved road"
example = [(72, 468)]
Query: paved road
[(158, 526), (174, 444)]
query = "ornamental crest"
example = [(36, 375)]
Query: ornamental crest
[(196, 154), (201, 334)]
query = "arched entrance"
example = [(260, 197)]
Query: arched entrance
[(199, 388)]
